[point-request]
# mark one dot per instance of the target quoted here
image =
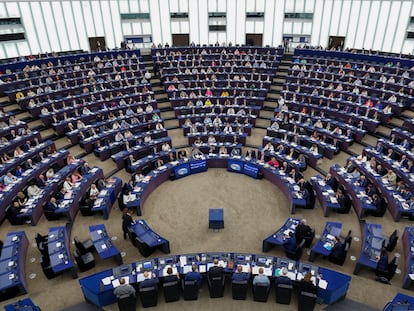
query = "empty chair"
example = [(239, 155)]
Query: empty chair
[(171, 291), (284, 293), (261, 292), (311, 201), (46, 267), (345, 205), (128, 303), (307, 301), (239, 289), (216, 286), (297, 253), (148, 296), (190, 290), (132, 235), (84, 261), (42, 244), (85, 209), (391, 242), (143, 248), (379, 212), (84, 247)]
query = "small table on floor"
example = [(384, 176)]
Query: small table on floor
[(216, 218)]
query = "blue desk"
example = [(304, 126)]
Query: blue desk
[(148, 240), (400, 299), (276, 239), (103, 244), (58, 249), (22, 305), (332, 229), (216, 218), (102, 295), (408, 246), (372, 243), (325, 194), (107, 196), (13, 265)]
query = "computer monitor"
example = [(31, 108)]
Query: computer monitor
[(147, 265), (261, 261), (122, 270)]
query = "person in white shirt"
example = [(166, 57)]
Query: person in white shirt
[(269, 147), (33, 190), (67, 184), (9, 179), (166, 147)]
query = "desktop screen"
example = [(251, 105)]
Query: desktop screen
[(147, 265)]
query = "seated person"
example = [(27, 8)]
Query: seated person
[(306, 284), (92, 195), (337, 249), (12, 213), (196, 153), (239, 275), (170, 276), (76, 177), (223, 150), (382, 264), (289, 242), (302, 231), (283, 278), (215, 270), (21, 199), (9, 179), (194, 275), (261, 278), (33, 190), (273, 162), (52, 205), (124, 290), (148, 281), (182, 154)]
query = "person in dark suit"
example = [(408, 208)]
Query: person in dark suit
[(283, 278), (306, 284), (52, 204), (382, 264), (289, 242), (330, 180), (363, 181), (127, 221), (148, 281), (302, 231), (239, 275), (337, 249), (194, 275), (215, 270), (170, 276)]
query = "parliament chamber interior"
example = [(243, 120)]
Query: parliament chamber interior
[(177, 154)]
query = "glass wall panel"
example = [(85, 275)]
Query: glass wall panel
[(344, 18), (309, 5), (372, 23), (12, 9), (362, 25), (185, 27), (116, 21), (317, 20), (40, 26), (144, 6), (381, 25), (10, 49), (297, 28), (70, 23), (299, 6), (23, 48), (175, 27), (51, 29), (326, 22), (136, 29), (221, 6), (133, 6), (3, 13), (400, 33), (97, 19), (123, 6), (307, 28), (87, 13), (173, 5), (394, 17), (336, 15), (260, 5), (108, 25), (126, 29), (212, 6), (61, 26), (289, 6), (250, 6), (146, 28), (352, 25), (29, 26)]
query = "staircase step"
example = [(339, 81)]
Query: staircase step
[(164, 105)]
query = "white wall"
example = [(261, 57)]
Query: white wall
[(57, 25)]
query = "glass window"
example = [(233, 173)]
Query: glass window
[(393, 19), (183, 5), (352, 28), (309, 4), (260, 5), (299, 5), (123, 6), (381, 25), (344, 18), (87, 13), (109, 33), (3, 12), (362, 24), (173, 6), (30, 28), (144, 5), (97, 19), (51, 29), (70, 22), (40, 27), (60, 26), (12, 9)]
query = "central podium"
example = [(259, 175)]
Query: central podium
[(216, 218)]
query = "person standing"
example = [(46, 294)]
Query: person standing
[(127, 221)]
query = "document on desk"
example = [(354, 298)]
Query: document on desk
[(187, 269), (202, 268), (322, 284), (106, 281)]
